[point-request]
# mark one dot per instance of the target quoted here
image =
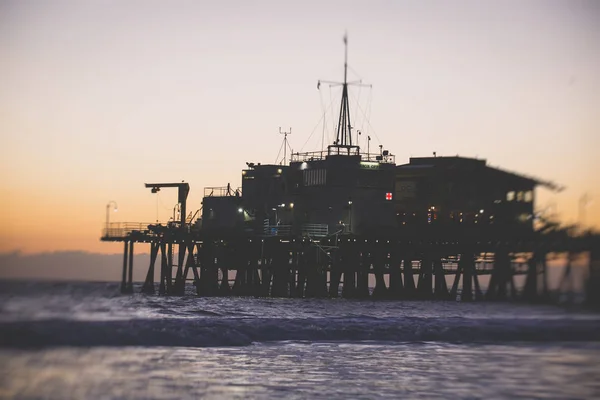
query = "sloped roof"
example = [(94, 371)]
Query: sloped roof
[(457, 163)]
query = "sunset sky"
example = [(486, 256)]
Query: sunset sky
[(98, 97)]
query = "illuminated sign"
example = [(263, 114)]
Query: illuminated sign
[(369, 165), (388, 196)]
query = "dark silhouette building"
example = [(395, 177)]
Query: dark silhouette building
[(463, 192)]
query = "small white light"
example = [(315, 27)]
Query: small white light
[(279, 171), (240, 210), (291, 205), (481, 211)]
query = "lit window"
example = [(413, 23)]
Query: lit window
[(528, 196), (519, 196), (510, 196)]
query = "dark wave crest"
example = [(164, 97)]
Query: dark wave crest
[(245, 331)]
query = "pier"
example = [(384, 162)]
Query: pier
[(279, 264), (339, 221)]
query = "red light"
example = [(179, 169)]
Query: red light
[(388, 196)]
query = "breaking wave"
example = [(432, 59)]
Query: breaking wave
[(210, 332)]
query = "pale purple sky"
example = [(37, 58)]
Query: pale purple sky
[(98, 97)]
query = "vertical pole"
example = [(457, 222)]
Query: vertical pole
[(362, 272), (441, 288), (592, 289), (396, 285), (409, 282), (169, 270), (478, 293), (148, 287), (335, 275), (380, 291), (124, 278), (424, 285), (162, 289), (350, 267), (454, 289), (179, 278), (130, 275), (302, 267), (195, 264), (544, 277), (467, 261)]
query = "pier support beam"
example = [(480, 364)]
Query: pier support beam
[(179, 287), (380, 291), (350, 267), (362, 274), (409, 281), (209, 277), (193, 264), (125, 258), (425, 283), (148, 287), (165, 271), (441, 288), (530, 290), (466, 268), (592, 290), (281, 270), (502, 276), (396, 288), (335, 274), (129, 288)]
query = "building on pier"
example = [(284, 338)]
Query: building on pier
[(463, 193), (297, 228), (338, 190)]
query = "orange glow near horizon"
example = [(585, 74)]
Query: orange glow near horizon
[(96, 100)]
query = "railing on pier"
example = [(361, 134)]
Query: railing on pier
[(315, 230), (321, 155), (277, 230), (222, 191), (120, 230), (310, 230)]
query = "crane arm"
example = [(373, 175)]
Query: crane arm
[(183, 190)]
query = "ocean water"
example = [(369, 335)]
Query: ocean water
[(82, 340)]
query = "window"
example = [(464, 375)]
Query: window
[(528, 196), (510, 196), (314, 177)]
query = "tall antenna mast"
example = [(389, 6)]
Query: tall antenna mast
[(285, 144), (344, 132), (344, 128)]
